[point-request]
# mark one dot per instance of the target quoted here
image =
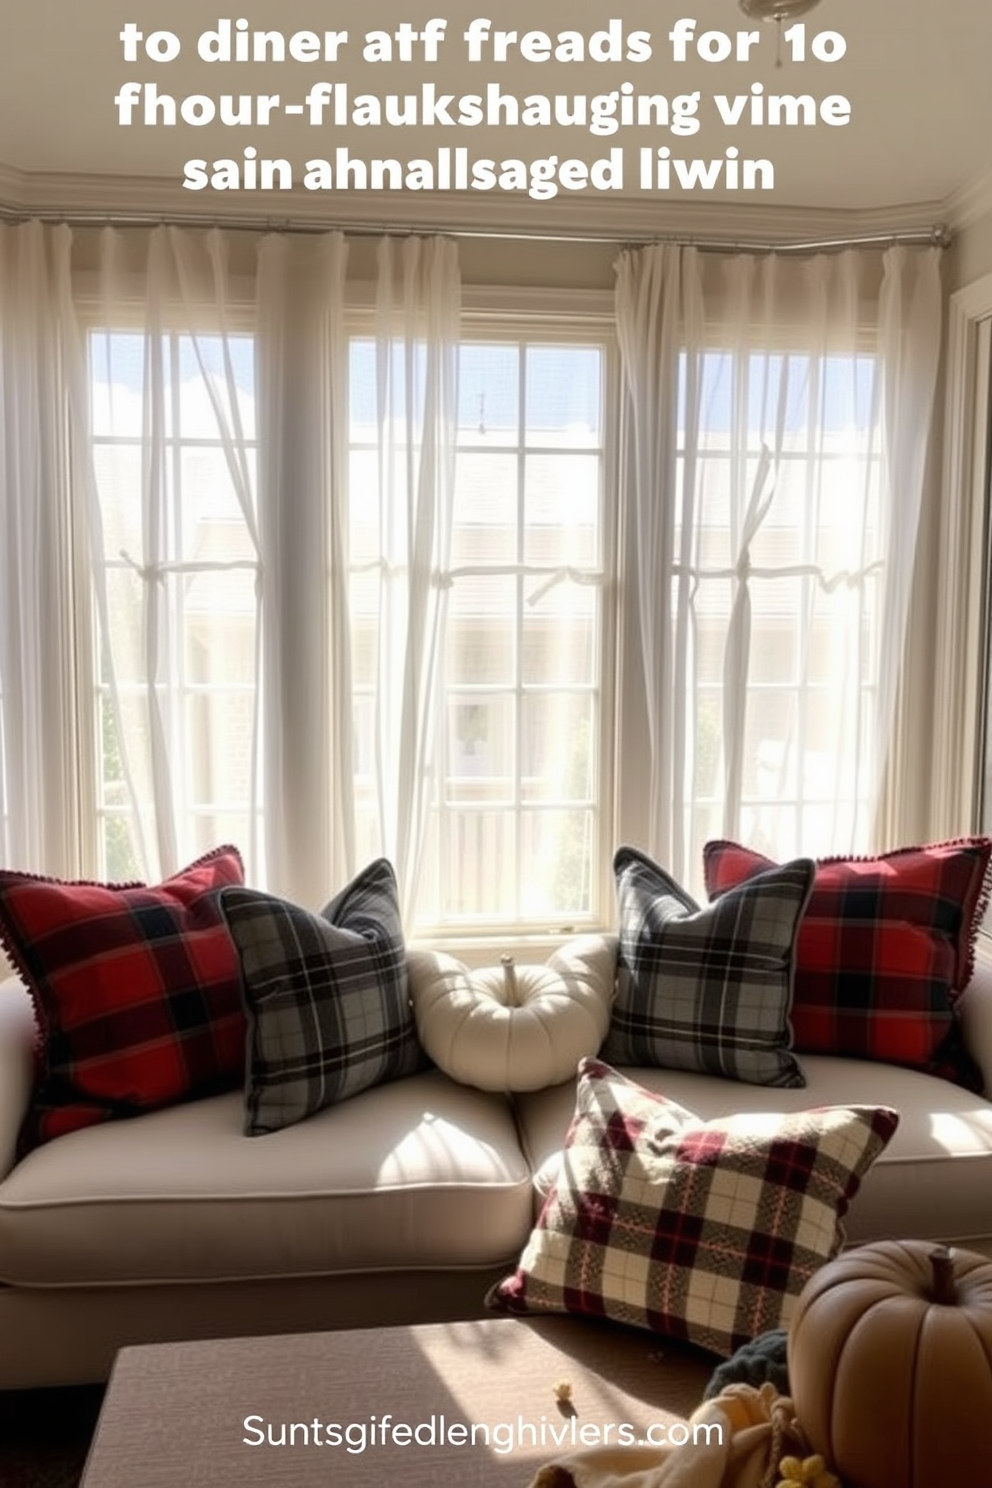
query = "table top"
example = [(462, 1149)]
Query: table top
[(472, 1403)]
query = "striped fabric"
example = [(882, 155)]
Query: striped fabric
[(884, 951), (707, 989), (325, 995), (135, 989), (705, 1231)]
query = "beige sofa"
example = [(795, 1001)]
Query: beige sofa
[(401, 1204)]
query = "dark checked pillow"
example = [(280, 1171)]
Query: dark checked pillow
[(325, 995), (705, 1231), (135, 990), (885, 948), (707, 989)]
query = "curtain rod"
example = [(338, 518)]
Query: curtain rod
[(937, 236)]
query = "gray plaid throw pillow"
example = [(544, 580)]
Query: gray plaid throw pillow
[(707, 989), (325, 997)]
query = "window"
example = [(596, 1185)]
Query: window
[(520, 811), (177, 664), (611, 631), (814, 590), (521, 824)]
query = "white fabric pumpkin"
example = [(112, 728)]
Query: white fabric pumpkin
[(511, 1027)]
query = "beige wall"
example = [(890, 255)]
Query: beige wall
[(515, 262), (970, 255)]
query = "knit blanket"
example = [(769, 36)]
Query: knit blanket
[(759, 1444)]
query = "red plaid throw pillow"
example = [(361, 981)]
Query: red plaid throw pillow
[(885, 947), (706, 1231), (136, 991)]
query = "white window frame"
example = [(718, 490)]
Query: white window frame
[(558, 317)]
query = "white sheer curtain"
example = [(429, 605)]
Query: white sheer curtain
[(778, 415), (186, 575), (167, 387), (302, 349), (659, 312), (401, 502), (229, 597), (38, 768)]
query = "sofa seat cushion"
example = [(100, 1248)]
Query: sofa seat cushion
[(933, 1181), (419, 1173)]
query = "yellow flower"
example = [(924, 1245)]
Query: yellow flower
[(808, 1472)]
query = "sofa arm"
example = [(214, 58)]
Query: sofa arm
[(975, 1010), (17, 1041)]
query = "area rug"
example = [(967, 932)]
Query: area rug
[(45, 1435)]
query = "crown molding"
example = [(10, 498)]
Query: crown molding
[(12, 186), (116, 197), (969, 203)]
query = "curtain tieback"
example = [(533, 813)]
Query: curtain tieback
[(157, 573), (551, 577), (567, 574), (849, 578)]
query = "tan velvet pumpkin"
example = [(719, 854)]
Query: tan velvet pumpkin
[(513, 1027), (890, 1365)]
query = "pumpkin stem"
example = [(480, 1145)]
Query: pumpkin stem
[(510, 978), (942, 1285)]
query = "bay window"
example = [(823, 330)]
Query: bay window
[(486, 593)]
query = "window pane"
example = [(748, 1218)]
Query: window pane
[(562, 509), (564, 396), (560, 635), (488, 395), (481, 749), (485, 515), (212, 521), (558, 761), (556, 863), (117, 376), (481, 630), (483, 846)]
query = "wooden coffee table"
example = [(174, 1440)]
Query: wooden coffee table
[(175, 1414)]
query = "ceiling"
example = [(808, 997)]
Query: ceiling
[(915, 74)]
